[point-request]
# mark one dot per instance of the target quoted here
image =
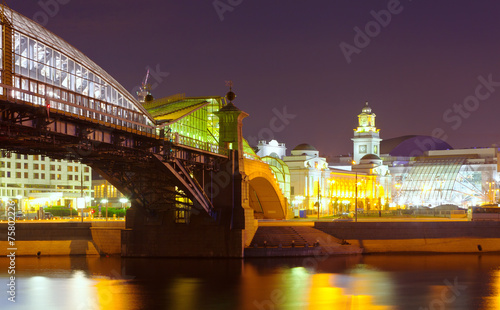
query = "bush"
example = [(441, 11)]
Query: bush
[(118, 211), (61, 211)]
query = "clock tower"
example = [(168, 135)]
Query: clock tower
[(366, 137)]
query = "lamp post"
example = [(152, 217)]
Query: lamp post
[(356, 201), (319, 189), (19, 204), (105, 201), (5, 200), (331, 182), (81, 188)]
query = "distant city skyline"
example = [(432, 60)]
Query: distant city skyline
[(304, 71)]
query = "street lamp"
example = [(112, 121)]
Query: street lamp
[(105, 201), (123, 201), (356, 202), (5, 200), (331, 182), (19, 205), (319, 195)]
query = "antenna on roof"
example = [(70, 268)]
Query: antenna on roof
[(144, 92)]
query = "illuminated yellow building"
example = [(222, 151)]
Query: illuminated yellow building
[(313, 182), (105, 193), (345, 186)]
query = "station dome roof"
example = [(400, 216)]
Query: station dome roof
[(304, 147), (412, 145)]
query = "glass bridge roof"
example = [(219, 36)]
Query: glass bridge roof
[(30, 28), (163, 109)]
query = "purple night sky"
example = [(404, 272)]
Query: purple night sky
[(420, 72)]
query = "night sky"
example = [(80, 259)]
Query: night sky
[(427, 68)]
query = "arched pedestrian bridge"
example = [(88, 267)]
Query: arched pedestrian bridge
[(161, 153)]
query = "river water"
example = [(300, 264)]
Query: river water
[(341, 282)]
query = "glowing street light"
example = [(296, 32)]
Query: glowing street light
[(19, 205), (123, 201), (105, 201)]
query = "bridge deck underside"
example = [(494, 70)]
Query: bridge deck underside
[(136, 165)]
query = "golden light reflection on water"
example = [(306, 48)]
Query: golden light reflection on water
[(298, 288), (114, 295), (447, 282), (183, 292), (352, 291), (493, 301)]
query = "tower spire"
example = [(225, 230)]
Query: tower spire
[(366, 136), (230, 95)]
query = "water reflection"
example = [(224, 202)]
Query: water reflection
[(348, 282)]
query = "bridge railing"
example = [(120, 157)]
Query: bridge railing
[(67, 102), (97, 114), (197, 144)]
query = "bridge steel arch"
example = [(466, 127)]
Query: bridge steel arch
[(264, 194)]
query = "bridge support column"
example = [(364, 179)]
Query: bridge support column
[(160, 234)]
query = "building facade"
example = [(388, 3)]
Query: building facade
[(309, 174), (318, 188), (35, 181), (273, 149)]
